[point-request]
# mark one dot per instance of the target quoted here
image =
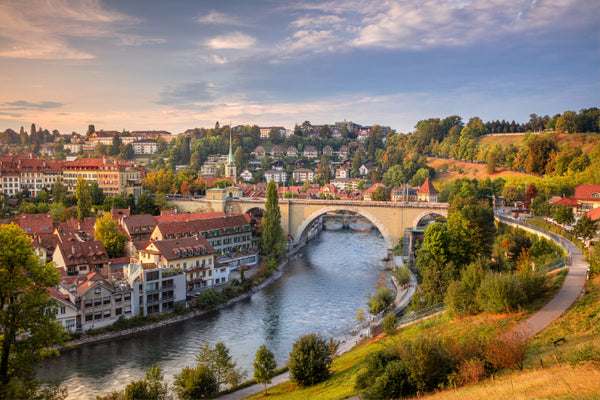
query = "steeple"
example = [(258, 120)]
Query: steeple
[(230, 167), (230, 158)]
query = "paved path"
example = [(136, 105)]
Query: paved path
[(570, 290)]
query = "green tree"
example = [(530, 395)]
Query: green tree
[(272, 238), (59, 192), (264, 366), (112, 239), (310, 360), (126, 152), (84, 199), (96, 193), (218, 360), (563, 214), (356, 162), (91, 129), (585, 228), (382, 193), (195, 383), (383, 298), (27, 315), (152, 387), (146, 205)]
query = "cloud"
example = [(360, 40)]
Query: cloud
[(218, 18), (26, 105), (311, 41), (318, 21), (39, 29), (234, 40), (185, 94)]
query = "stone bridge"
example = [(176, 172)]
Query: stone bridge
[(390, 218)]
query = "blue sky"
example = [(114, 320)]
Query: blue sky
[(173, 65)]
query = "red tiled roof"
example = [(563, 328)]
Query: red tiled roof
[(77, 253), (172, 249), (594, 215), (163, 219), (587, 192), (566, 201), (428, 188), (35, 223), (203, 225)]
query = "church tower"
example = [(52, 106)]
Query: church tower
[(230, 167)]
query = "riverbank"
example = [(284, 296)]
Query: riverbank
[(175, 319)]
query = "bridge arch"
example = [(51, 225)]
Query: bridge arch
[(300, 231), (247, 207), (442, 212)]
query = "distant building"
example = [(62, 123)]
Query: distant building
[(303, 174), (275, 175), (310, 152), (427, 192), (292, 151), (259, 152), (246, 176)]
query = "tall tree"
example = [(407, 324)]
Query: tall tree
[(264, 366), (59, 192), (112, 239), (91, 129), (218, 360), (27, 319), (96, 193), (272, 238), (84, 199)]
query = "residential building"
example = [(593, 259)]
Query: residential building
[(192, 255), (144, 146), (404, 193), (275, 175), (345, 183), (427, 192), (138, 227), (79, 258), (588, 197), (342, 173), (278, 165), (328, 150), (369, 192), (310, 152), (366, 168), (303, 174), (264, 131), (65, 311), (259, 152), (292, 151), (344, 151), (155, 290), (276, 151), (246, 176)]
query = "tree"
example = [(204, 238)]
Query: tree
[(585, 228), (218, 360), (126, 152), (152, 387), (382, 193), (195, 383), (275, 136), (356, 162), (84, 200), (27, 314), (264, 366), (91, 129), (147, 205), (96, 193), (310, 360), (59, 192), (563, 214), (272, 238), (112, 239), (382, 299)]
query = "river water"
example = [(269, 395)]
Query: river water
[(320, 291)]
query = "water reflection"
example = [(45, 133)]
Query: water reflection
[(319, 292)]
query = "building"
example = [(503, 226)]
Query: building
[(588, 196), (369, 192), (65, 311), (427, 192), (404, 193), (138, 227), (328, 150), (259, 152), (156, 290), (344, 151), (264, 131), (303, 175), (226, 234), (144, 146), (246, 176), (113, 178), (366, 168), (230, 167), (342, 173), (310, 152), (275, 175), (79, 258), (292, 151), (345, 183), (276, 151), (192, 255)]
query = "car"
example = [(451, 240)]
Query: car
[(246, 267)]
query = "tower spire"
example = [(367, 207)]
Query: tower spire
[(230, 158)]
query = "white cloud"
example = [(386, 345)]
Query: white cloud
[(38, 29), (218, 18), (311, 41), (318, 21), (234, 40)]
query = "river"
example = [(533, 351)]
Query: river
[(320, 291)]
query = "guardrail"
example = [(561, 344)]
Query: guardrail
[(420, 314)]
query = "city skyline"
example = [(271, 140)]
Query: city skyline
[(173, 66)]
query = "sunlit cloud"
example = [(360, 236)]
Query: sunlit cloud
[(234, 40), (26, 105), (218, 18)]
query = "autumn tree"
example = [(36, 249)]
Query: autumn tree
[(27, 314), (264, 366), (586, 228), (218, 360), (112, 239)]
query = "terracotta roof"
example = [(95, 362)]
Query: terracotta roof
[(587, 192), (138, 221), (35, 223), (594, 215), (162, 219), (428, 188), (77, 253), (203, 225), (173, 249), (566, 201)]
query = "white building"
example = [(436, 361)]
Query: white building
[(277, 176), (156, 290), (246, 176), (144, 147)]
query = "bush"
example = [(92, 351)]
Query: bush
[(533, 284), (428, 363), (499, 293), (471, 371), (402, 275), (585, 353), (310, 360), (508, 350), (389, 323), (393, 383), (460, 297), (374, 366), (208, 299), (384, 296), (194, 383)]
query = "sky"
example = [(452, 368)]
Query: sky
[(174, 65)]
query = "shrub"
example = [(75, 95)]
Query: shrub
[(393, 383), (310, 360), (389, 323), (402, 275), (428, 363), (384, 296), (194, 383), (471, 371), (508, 350), (373, 366), (460, 297), (585, 353), (533, 284), (499, 293), (208, 299)]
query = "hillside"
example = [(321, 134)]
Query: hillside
[(447, 170), (585, 141)]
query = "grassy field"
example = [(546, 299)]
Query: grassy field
[(458, 169), (345, 368), (585, 141)]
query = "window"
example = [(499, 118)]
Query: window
[(97, 301), (106, 300), (152, 275), (118, 311), (63, 309), (106, 313), (127, 297), (98, 315), (118, 298), (88, 317), (97, 290), (88, 303)]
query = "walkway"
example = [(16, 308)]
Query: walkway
[(570, 290)]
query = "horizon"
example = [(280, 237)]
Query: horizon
[(183, 65)]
